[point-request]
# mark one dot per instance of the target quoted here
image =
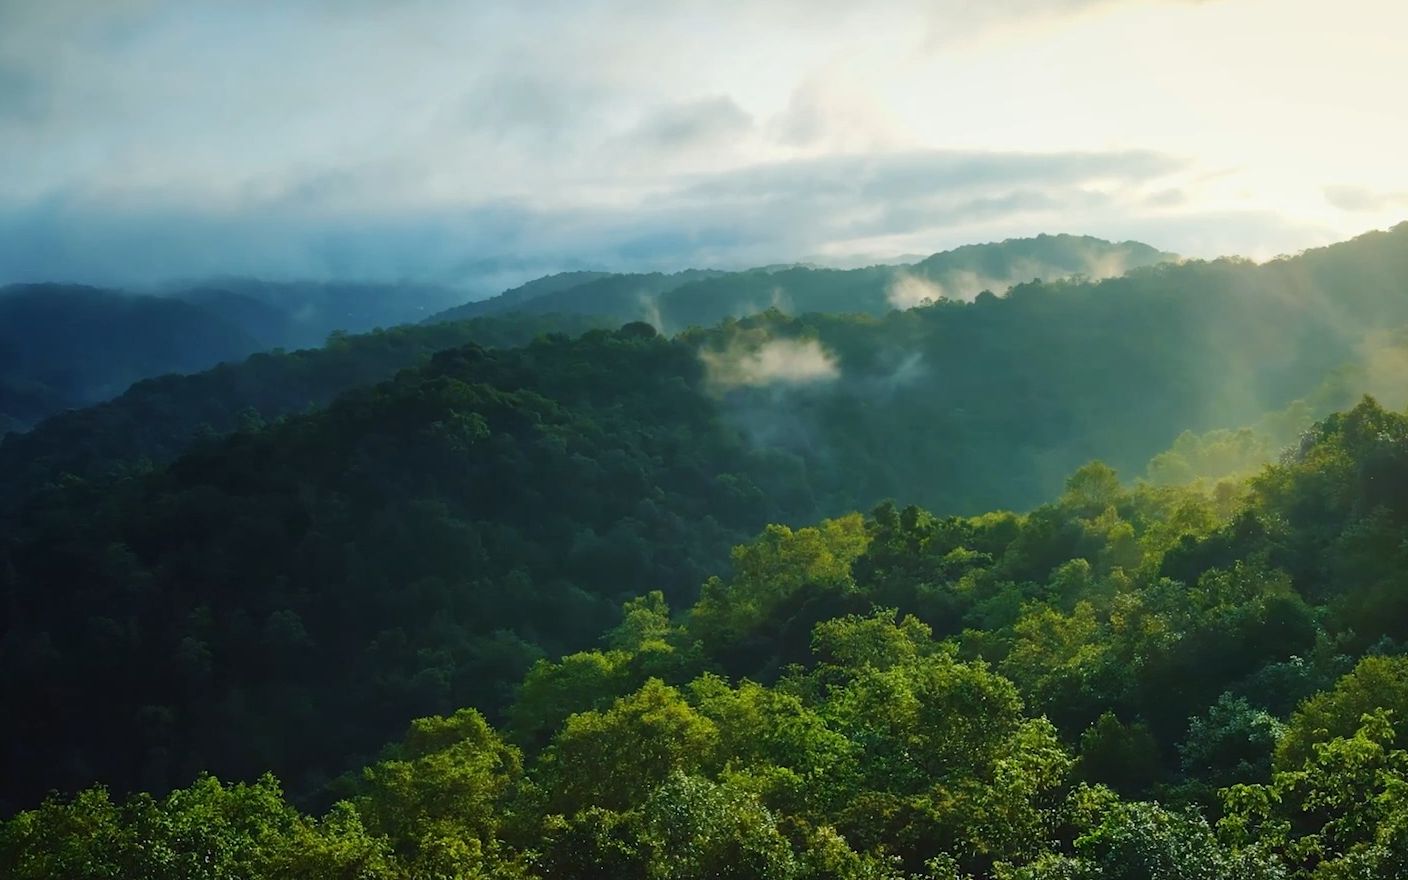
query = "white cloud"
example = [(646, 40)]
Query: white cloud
[(154, 137)]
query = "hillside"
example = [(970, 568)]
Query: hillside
[(66, 346), (696, 298), (620, 296), (300, 314), (415, 544), (156, 419), (518, 297), (1179, 325), (292, 572), (1125, 682), (958, 275)]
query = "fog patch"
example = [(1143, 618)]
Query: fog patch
[(650, 311), (784, 362), (909, 370), (1383, 360), (908, 290)]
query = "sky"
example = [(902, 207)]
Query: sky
[(478, 144)]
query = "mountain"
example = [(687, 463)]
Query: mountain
[(623, 297), (518, 297), (156, 419), (957, 275), (64, 346), (415, 545), (285, 572), (299, 314), (59, 356), (695, 298), (1124, 682), (67, 346)]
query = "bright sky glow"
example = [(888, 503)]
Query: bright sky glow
[(478, 143)]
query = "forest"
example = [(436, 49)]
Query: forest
[(1127, 681), (65, 347), (1075, 578)]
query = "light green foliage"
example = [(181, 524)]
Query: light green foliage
[(1142, 841), (209, 831), (613, 758), (880, 640), (777, 746), (1343, 813), (1377, 682), (701, 830), (768, 571), (550, 692), (1058, 659), (824, 713), (439, 798)]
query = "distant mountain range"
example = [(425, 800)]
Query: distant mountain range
[(65, 346), (701, 298)]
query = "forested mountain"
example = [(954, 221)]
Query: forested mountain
[(1127, 682), (1067, 348), (700, 298), (299, 314), (68, 346), (216, 565), (620, 296), (65, 346), (413, 546), (156, 419), (373, 560), (958, 275)]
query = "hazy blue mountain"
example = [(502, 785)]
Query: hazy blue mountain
[(519, 296), (305, 312), (624, 296), (64, 346), (700, 298)]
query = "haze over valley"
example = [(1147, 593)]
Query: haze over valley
[(775, 441)]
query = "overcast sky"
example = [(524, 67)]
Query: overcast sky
[(477, 143)]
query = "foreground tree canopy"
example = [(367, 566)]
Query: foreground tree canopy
[(1127, 682)]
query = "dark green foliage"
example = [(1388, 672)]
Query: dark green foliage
[(1128, 681), (701, 298), (66, 346), (882, 752), (414, 547), (157, 419)]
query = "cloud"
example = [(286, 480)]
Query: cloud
[(949, 22), (317, 226), (903, 174), (907, 291), (693, 124), (477, 144), (780, 362), (23, 98), (1363, 199)]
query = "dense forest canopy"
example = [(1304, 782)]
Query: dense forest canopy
[(67, 346), (156, 419), (685, 441), (271, 565), (672, 302), (1070, 357), (1125, 682)]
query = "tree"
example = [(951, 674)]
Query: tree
[(613, 758)]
